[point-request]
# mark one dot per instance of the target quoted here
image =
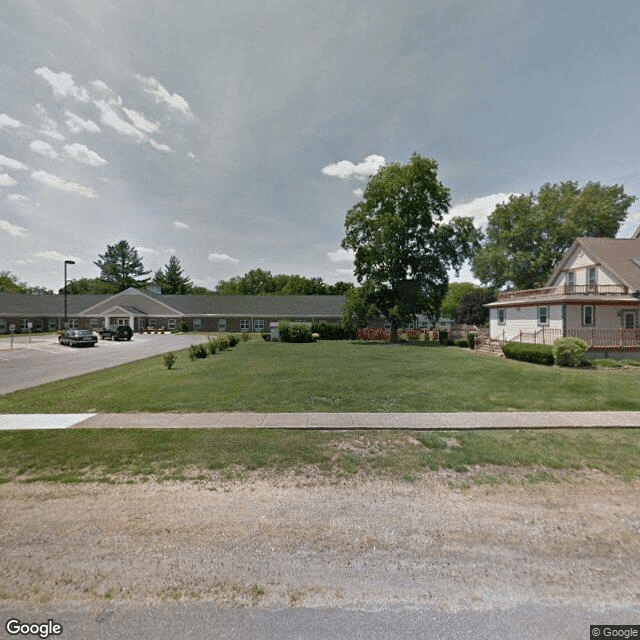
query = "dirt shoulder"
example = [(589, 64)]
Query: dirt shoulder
[(321, 543)]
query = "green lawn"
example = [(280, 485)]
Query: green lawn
[(215, 455), (334, 376)]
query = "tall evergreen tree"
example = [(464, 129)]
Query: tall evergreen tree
[(171, 280), (121, 266)]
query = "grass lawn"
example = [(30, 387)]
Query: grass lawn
[(334, 377), (139, 455)]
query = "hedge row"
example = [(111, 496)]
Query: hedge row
[(538, 353), (333, 331)]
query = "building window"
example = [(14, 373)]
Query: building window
[(197, 324), (152, 322), (571, 281), (93, 323), (543, 315), (245, 325), (222, 324), (39, 324), (24, 325), (591, 276), (171, 323), (502, 316), (588, 316), (73, 323), (53, 324), (3, 325), (629, 319), (387, 325), (258, 325)]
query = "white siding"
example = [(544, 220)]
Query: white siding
[(579, 263), (523, 319)]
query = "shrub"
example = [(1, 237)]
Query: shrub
[(461, 342), (471, 340), (233, 340), (266, 337), (296, 333), (284, 326), (334, 331), (212, 345), (223, 343), (537, 353), (197, 351), (373, 334), (245, 337), (184, 327), (169, 359), (568, 351), (443, 337)]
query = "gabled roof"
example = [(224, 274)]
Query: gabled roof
[(621, 256)]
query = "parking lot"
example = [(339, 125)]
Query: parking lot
[(42, 359)]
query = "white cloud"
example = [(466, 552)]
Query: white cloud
[(17, 197), (49, 126), (222, 257), (101, 87), (10, 163), (54, 255), (180, 225), (6, 122), (43, 148), (63, 185), (77, 124), (109, 117), (63, 84), (147, 250), (159, 146), (341, 255), (480, 208), (358, 192), (140, 121), (12, 229), (345, 272), (82, 153), (173, 100), (345, 169), (6, 180)]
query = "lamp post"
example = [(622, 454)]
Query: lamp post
[(66, 262)]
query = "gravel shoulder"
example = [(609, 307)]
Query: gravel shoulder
[(319, 543)]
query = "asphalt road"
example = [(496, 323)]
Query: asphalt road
[(44, 360), (202, 620)]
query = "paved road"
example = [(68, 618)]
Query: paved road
[(45, 360), (202, 620)]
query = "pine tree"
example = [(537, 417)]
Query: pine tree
[(121, 266)]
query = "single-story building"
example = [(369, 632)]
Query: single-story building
[(593, 294), (142, 309)]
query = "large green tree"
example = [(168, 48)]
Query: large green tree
[(9, 283), (527, 236), (403, 246), (451, 301), (89, 285), (121, 266), (172, 280)]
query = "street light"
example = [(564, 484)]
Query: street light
[(66, 262)]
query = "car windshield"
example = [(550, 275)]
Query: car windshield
[(83, 332)]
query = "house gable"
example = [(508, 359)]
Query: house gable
[(141, 302)]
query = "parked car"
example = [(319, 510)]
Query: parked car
[(78, 338), (116, 332)]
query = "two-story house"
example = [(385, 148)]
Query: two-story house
[(593, 294)]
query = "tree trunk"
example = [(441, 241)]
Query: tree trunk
[(394, 332)]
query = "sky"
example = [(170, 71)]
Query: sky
[(237, 135)]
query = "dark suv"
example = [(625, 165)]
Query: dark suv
[(116, 332)]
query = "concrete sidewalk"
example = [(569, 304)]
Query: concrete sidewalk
[(412, 421)]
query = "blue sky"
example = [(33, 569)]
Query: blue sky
[(237, 135)]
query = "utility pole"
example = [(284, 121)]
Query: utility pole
[(66, 262)]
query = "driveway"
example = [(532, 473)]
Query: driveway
[(31, 364)]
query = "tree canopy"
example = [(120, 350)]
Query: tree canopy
[(527, 236), (403, 246), (121, 266), (89, 285), (172, 280), (261, 282), (472, 310), (9, 283)]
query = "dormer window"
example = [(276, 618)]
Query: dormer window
[(591, 276)]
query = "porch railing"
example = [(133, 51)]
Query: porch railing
[(567, 289), (595, 338)]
